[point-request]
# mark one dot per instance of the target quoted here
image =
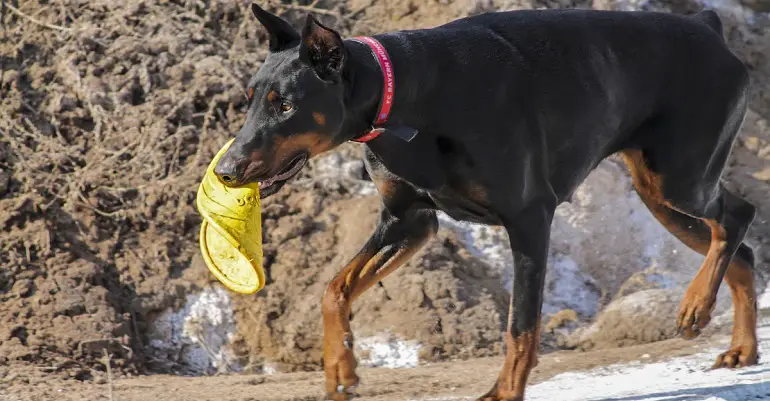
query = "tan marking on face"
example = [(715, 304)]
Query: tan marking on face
[(272, 96), (315, 142), (284, 149), (250, 93), (319, 118), (311, 142)]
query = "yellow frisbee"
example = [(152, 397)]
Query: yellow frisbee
[(231, 232)]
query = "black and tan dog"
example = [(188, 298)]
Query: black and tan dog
[(496, 119)]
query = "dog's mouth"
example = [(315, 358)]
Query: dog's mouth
[(271, 185)]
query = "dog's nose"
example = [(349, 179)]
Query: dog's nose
[(227, 170)]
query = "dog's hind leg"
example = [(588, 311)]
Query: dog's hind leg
[(402, 230), (528, 232), (717, 238)]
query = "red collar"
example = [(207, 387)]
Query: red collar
[(388, 88)]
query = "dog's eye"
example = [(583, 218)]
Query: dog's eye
[(286, 107)]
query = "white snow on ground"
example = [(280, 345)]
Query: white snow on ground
[(333, 168), (567, 286), (764, 299), (387, 352), (678, 379), (197, 335)]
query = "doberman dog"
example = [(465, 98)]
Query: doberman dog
[(496, 119)]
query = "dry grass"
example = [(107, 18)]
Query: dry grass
[(110, 113)]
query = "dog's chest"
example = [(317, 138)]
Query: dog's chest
[(463, 201), (443, 178), (462, 207)]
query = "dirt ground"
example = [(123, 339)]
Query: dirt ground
[(109, 112), (462, 379)]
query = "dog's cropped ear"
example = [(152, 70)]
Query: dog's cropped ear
[(282, 34), (322, 49)]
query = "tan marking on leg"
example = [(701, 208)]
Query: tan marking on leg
[(385, 187), (365, 270), (699, 299), (700, 296), (743, 348), (646, 181), (521, 357), (339, 361), (648, 184)]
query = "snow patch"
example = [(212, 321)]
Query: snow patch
[(568, 288), (677, 379), (269, 369), (334, 168), (197, 336), (387, 351), (764, 299), (487, 243)]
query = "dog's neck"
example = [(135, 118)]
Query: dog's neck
[(364, 77), (365, 85)]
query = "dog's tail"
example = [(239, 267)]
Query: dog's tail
[(710, 18)]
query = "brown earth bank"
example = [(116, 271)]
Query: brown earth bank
[(109, 113)]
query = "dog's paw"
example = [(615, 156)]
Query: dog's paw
[(496, 395), (343, 389), (694, 314), (340, 369), (496, 398), (341, 394), (738, 357)]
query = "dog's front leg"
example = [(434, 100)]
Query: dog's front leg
[(394, 242), (528, 232)]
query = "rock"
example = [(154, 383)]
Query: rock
[(560, 319), (641, 317)]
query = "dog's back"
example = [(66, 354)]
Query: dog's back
[(564, 56), (583, 81)]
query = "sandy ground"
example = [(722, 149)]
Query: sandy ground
[(667, 370)]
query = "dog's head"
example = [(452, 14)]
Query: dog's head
[(296, 105)]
